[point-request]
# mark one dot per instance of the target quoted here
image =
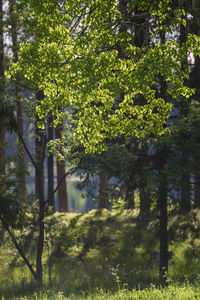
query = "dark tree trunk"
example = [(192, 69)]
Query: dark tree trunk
[(2, 92), (21, 154), (39, 160), (103, 190), (185, 201), (162, 203), (197, 186), (143, 183), (50, 166), (195, 83), (40, 147), (62, 190), (144, 198)]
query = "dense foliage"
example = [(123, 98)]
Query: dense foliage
[(112, 88), (85, 58)]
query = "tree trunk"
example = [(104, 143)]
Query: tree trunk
[(2, 92), (50, 166), (162, 203), (143, 184), (197, 187), (40, 147), (39, 160), (62, 190), (185, 178), (21, 153), (144, 198), (185, 201), (103, 190)]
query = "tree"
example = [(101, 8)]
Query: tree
[(75, 59), (2, 92), (18, 96), (50, 164), (61, 178)]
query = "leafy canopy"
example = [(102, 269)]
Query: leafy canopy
[(88, 66)]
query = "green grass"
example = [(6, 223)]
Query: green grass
[(173, 292), (103, 251)]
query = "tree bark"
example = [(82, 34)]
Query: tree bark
[(103, 190), (62, 190), (197, 187), (50, 166), (162, 203), (185, 201), (40, 147), (2, 92), (21, 153), (144, 198)]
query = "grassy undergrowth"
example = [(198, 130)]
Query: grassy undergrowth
[(172, 292), (103, 251)]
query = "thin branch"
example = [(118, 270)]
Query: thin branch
[(21, 85), (72, 170), (19, 249), (27, 151)]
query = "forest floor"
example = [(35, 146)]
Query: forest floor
[(104, 253)]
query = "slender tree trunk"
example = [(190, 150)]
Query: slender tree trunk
[(2, 92), (185, 201), (162, 202), (197, 187), (40, 147), (39, 159), (129, 178), (144, 198), (143, 183), (50, 166), (162, 194), (103, 190), (62, 190), (21, 153)]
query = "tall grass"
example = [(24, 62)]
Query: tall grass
[(172, 292), (106, 254)]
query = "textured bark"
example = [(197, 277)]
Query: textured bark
[(62, 190), (2, 91), (40, 147), (143, 183), (50, 166), (162, 194), (21, 153), (162, 203), (185, 201), (197, 187), (144, 198), (39, 160), (103, 190)]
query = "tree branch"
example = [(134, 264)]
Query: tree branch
[(72, 170), (19, 249)]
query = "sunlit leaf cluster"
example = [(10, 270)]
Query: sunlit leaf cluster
[(86, 65)]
